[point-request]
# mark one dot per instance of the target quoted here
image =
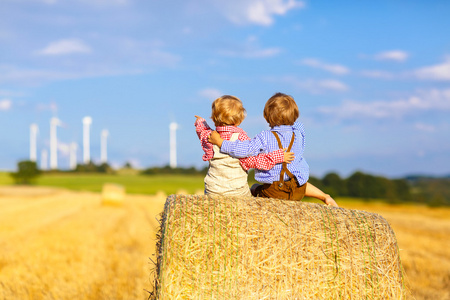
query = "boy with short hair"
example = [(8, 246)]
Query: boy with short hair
[(282, 181), (227, 175)]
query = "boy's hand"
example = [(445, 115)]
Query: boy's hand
[(214, 138), (197, 117), (330, 201), (288, 156)]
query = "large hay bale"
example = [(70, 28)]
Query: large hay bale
[(259, 248), (113, 194)]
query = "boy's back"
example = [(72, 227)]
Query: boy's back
[(266, 142)]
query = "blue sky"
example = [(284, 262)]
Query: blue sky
[(371, 78)]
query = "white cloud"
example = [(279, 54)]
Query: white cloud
[(314, 86), (436, 72), (93, 2), (321, 86), (378, 74), (332, 68), (210, 93), (32, 76), (250, 49), (10, 93), (5, 104), (65, 46), (436, 100), (47, 106), (260, 12), (129, 61), (424, 127), (394, 55), (108, 2), (161, 58), (252, 53), (331, 84)]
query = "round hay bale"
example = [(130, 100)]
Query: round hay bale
[(161, 194), (259, 248), (113, 194)]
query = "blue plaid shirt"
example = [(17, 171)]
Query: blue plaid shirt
[(266, 142)]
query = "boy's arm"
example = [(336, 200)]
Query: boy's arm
[(266, 161), (238, 149), (203, 131), (263, 161)]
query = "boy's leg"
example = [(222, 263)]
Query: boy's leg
[(314, 192), (253, 189)]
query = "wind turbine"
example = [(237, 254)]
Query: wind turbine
[(54, 122), (173, 144), (73, 155), (103, 146), (44, 158), (87, 121), (33, 134)]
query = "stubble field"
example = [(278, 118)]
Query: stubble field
[(60, 244)]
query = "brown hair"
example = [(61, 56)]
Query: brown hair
[(281, 109), (227, 110)]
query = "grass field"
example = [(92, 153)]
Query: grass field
[(134, 184), (5, 179), (61, 244)]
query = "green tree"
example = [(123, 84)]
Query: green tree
[(316, 182), (93, 168), (90, 167), (105, 168), (27, 171), (436, 201), (402, 189), (356, 184), (334, 185)]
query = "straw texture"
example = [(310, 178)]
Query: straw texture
[(259, 248)]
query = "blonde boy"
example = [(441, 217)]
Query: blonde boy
[(227, 175), (283, 181)]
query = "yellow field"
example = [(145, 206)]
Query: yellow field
[(57, 244), (423, 235)]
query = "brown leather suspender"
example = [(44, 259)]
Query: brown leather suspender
[(284, 168)]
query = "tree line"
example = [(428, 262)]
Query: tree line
[(425, 190), (365, 186), (418, 189)]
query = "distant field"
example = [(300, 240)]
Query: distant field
[(5, 179), (60, 244), (134, 184)]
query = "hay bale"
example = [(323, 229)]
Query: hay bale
[(259, 248), (113, 194), (161, 194)]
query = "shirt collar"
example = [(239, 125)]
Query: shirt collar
[(229, 128), (282, 128)]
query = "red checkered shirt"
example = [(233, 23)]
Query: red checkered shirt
[(263, 161)]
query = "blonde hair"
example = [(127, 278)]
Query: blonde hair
[(227, 110), (281, 109)]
